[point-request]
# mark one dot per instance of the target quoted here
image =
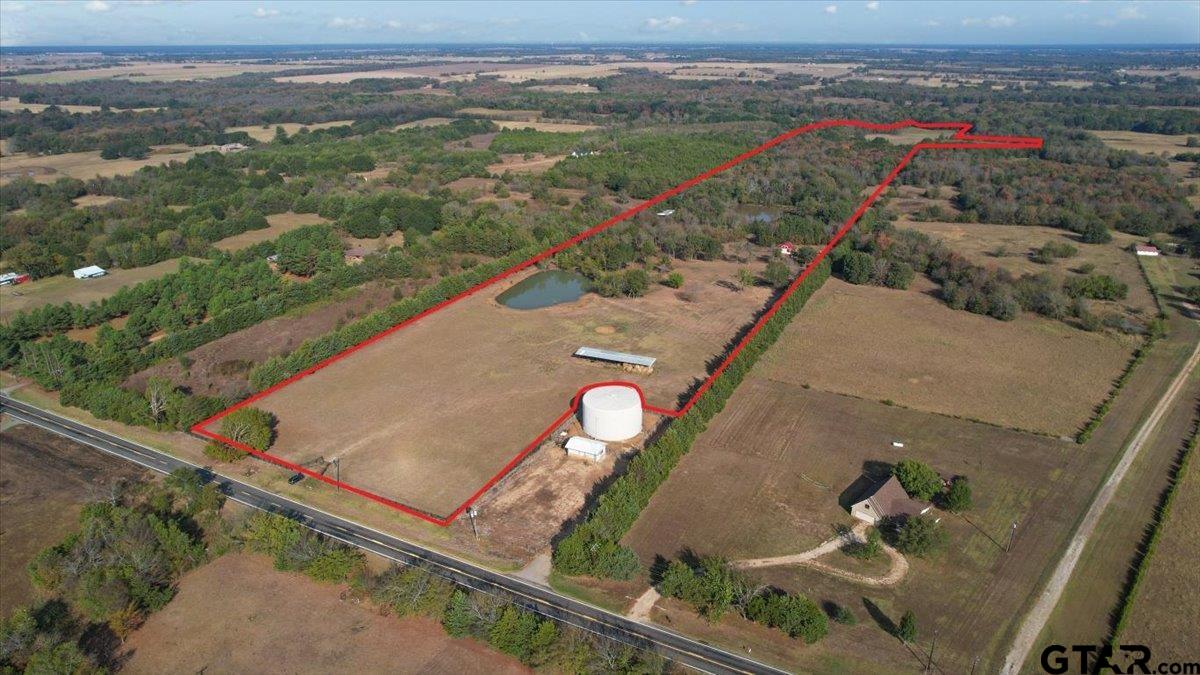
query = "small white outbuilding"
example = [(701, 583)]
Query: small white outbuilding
[(578, 446), (89, 272), (612, 412)]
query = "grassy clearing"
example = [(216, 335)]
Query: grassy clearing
[(266, 132), (278, 224), (1150, 144), (85, 165), (909, 348), (60, 289), (218, 621), (1010, 247)]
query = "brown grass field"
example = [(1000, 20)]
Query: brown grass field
[(95, 200), (1151, 144), (236, 613), (278, 224), (537, 163), (555, 127), (154, 72), (767, 477), (427, 122), (85, 165), (910, 348), (11, 104), (428, 414), (1172, 583), (266, 133), (579, 88), (1009, 247), (60, 289), (44, 481), (501, 114)]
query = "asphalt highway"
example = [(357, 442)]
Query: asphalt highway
[(544, 601)]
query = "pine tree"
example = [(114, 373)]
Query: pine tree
[(457, 617)]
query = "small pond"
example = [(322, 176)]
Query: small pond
[(551, 287)]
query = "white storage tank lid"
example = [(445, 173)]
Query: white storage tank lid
[(612, 412)]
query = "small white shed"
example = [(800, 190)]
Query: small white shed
[(89, 272), (578, 446)]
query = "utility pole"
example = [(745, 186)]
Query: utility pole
[(472, 512), (932, 646), (1011, 535)]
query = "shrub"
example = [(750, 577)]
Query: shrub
[(907, 630), (918, 479), (250, 426), (866, 550), (844, 616), (674, 280), (223, 453), (958, 499), (857, 267), (920, 536)]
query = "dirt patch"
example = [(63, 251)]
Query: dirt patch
[(222, 367), (44, 481), (236, 613), (910, 348)]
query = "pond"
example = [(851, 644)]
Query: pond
[(551, 287)]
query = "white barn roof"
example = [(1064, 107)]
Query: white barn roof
[(586, 446), (89, 271), (615, 357)]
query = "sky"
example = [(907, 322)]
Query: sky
[(216, 22)]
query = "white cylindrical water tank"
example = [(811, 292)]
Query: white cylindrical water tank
[(612, 413)]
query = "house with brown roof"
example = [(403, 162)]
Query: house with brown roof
[(355, 254), (887, 500)]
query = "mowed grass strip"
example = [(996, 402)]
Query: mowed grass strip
[(909, 348)]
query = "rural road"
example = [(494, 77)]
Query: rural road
[(1031, 628), (680, 649)]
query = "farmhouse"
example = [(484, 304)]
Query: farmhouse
[(355, 254), (1146, 250), (578, 446), (89, 272), (887, 500)]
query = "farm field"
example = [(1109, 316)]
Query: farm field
[(786, 455), (1009, 247), (59, 289), (911, 136), (1172, 581), (553, 127), (45, 480), (85, 165), (153, 72), (278, 223), (565, 88), (236, 613), (427, 122), (266, 133), (413, 427), (910, 348), (11, 104), (95, 200), (1153, 144)]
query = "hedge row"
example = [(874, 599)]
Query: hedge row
[(312, 352), (1102, 410), (594, 548), (1160, 520)]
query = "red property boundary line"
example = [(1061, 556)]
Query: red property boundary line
[(961, 140)]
